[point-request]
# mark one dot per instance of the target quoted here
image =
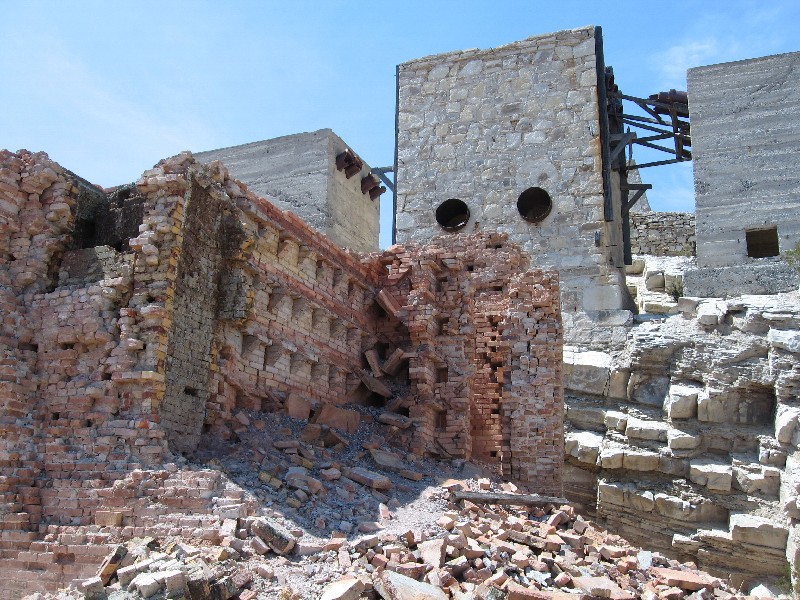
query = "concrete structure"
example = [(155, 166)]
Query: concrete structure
[(508, 140), (747, 175), (299, 174)]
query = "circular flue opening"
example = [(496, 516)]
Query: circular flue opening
[(534, 204), (452, 214)]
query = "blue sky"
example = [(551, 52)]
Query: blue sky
[(109, 88)]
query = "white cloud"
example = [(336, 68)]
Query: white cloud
[(715, 36), (677, 59)]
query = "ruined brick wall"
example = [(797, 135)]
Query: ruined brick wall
[(484, 349), (78, 403), (302, 320), (513, 132), (117, 355), (195, 297), (663, 233)]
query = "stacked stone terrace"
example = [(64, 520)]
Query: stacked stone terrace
[(126, 340)]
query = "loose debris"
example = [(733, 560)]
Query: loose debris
[(477, 551)]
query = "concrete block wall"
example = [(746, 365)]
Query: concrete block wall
[(484, 126), (298, 173), (745, 141)]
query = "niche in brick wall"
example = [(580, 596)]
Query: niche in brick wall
[(273, 354)]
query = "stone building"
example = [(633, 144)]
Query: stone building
[(300, 173), (745, 132), (509, 139)]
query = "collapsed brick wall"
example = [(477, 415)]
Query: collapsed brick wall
[(117, 355), (663, 234), (484, 348)]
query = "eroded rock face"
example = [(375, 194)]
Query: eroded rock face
[(699, 455)]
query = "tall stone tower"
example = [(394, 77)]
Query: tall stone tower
[(509, 139)]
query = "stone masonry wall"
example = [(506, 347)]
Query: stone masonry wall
[(663, 233), (484, 126), (689, 439)]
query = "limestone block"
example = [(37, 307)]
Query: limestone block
[(654, 280), (711, 312), (642, 429), (681, 402), (587, 417), (640, 460), (785, 340), (673, 507), (583, 445), (682, 543), (680, 440), (616, 420), (648, 389), (711, 408), (394, 586), (346, 588), (792, 507), (755, 478), (759, 531), (672, 465), (660, 305), (687, 305), (636, 267), (785, 423), (612, 457), (145, 584), (672, 281), (611, 493), (714, 476), (618, 383), (643, 501), (586, 372)]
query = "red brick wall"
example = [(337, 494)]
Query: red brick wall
[(485, 340)]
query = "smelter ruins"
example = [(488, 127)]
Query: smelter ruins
[(529, 318)]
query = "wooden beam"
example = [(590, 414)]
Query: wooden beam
[(506, 498)]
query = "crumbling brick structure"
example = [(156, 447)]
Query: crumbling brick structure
[(136, 321), (485, 358)]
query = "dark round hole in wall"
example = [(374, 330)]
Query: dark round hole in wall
[(534, 204), (452, 214)]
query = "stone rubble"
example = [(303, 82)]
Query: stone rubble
[(478, 551)]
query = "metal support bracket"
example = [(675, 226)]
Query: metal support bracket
[(381, 172)]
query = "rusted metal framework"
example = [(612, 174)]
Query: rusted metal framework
[(665, 118)]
